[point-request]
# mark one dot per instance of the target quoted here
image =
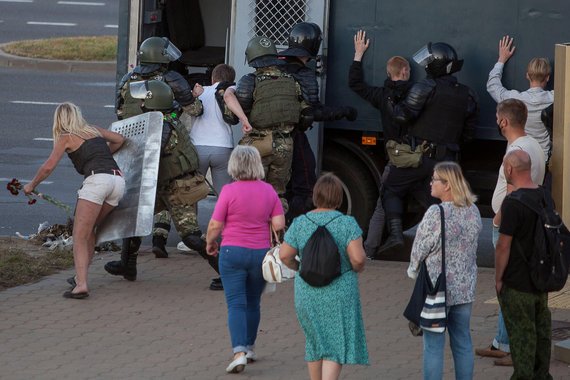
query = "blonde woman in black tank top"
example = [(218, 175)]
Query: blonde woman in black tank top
[(70, 133)]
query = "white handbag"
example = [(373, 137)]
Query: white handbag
[(270, 267)]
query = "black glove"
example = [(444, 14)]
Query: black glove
[(350, 113)]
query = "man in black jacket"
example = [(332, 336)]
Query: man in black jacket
[(304, 43), (384, 98), (439, 114)]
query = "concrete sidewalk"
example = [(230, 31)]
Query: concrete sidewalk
[(169, 325)]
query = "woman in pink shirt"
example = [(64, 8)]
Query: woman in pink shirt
[(244, 211)]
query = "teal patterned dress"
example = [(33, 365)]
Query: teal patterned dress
[(330, 316)]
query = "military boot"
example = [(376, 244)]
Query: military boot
[(159, 247), (194, 241), (396, 237), (127, 266)]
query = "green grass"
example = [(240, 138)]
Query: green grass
[(18, 268), (72, 48)]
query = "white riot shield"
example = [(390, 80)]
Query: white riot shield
[(138, 160)]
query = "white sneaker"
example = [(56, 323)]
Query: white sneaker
[(251, 356), (182, 247), (237, 365)]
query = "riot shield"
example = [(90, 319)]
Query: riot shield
[(138, 160)]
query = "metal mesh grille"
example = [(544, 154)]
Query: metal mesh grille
[(275, 18)]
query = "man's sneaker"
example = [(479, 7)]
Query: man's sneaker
[(491, 351), (507, 361), (216, 284)]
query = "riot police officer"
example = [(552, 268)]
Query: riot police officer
[(154, 55), (304, 43), (440, 114), (272, 113), (179, 185)]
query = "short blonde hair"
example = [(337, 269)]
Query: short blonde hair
[(67, 118), (245, 164), (538, 69), (451, 173), (327, 192), (395, 65)]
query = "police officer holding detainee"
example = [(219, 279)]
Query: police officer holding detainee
[(269, 104), (439, 114), (179, 185)]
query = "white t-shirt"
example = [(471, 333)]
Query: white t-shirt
[(537, 168), (210, 128)]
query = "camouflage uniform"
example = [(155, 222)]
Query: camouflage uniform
[(528, 322), (273, 108)]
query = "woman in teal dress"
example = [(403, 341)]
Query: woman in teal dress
[(330, 316)]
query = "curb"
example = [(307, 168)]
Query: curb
[(8, 60)]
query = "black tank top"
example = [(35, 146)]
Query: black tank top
[(93, 154)]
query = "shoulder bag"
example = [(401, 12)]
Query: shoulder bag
[(427, 307)]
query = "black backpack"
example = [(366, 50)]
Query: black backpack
[(320, 264), (548, 264)]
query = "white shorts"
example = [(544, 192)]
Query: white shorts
[(99, 188)]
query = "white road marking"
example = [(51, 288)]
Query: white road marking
[(24, 180), (43, 139), (16, 1), (51, 23), (36, 103), (47, 103), (80, 3), (111, 26)]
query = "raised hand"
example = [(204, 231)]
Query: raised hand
[(360, 45), (505, 50)]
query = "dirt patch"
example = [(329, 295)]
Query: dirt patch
[(26, 260), (23, 261)]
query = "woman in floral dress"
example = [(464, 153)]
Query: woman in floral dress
[(330, 316)]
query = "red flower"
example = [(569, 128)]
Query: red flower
[(14, 186), (32, 201)]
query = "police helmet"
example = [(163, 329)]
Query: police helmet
[(259, 47), (157, 95), (438, 59), (158, 50), (304, 40)]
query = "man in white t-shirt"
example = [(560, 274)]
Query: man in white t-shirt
[(211, 135), (511, 119)]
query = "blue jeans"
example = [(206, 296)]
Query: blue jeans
[(240, 270), (458, 317), (501, 340)]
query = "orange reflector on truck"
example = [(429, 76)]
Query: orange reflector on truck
[(368, 140)]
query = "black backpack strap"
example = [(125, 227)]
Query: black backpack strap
[(442, 239), (324, 225)]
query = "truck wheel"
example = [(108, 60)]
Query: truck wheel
[(360, 190)]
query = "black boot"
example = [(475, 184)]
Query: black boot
[(396, 237), (159, 247), (195, 242), (127, 266)]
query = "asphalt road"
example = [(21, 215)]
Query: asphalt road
[(35, 19)]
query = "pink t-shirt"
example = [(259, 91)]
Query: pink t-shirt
[(246, 208)]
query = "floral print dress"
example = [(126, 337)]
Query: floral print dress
[(330, 316)]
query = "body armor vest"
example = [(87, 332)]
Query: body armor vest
[(179, 157), (275, 101), (131, 106), (443, 117)]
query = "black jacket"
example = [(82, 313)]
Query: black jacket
[(421, 95), (384, 98)]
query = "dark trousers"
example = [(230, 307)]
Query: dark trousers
[(401, 182), (303, 177), (527, 318)]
